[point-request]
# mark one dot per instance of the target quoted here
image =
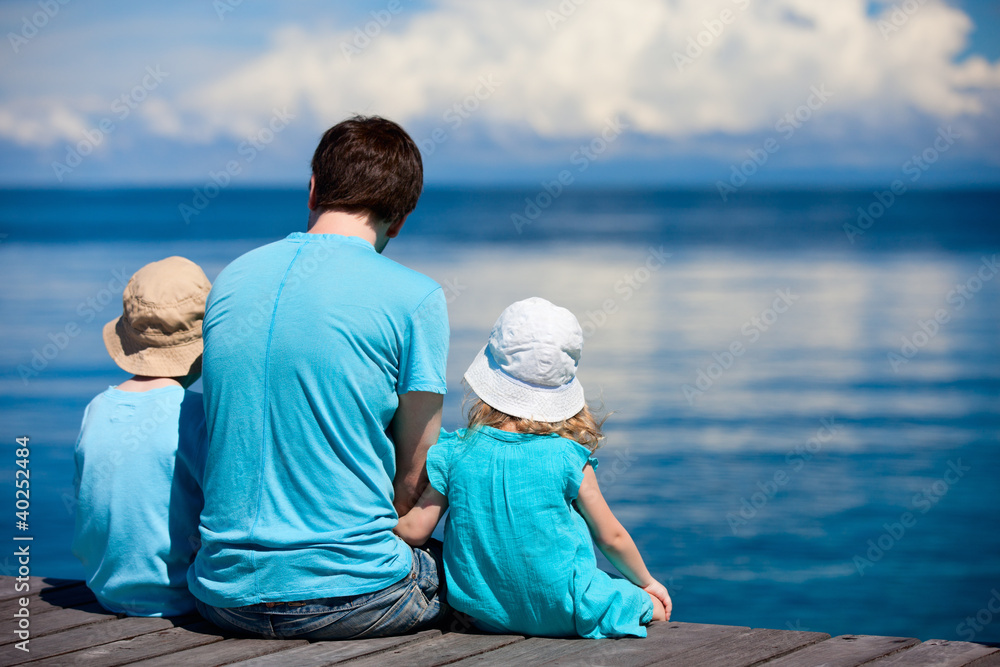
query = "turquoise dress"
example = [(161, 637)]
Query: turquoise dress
[(518, 557)]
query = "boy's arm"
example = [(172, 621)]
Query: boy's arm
[(415, 427), (418, 524), (613, 540)]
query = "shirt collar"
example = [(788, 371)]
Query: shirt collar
[(330, 238)]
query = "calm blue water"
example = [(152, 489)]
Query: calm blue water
[(752, 482)]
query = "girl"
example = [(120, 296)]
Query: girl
[(524, 498)]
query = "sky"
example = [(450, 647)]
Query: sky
[(671, 93)]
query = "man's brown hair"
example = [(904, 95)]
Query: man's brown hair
[(367, 164)]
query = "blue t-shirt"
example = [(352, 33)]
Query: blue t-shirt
[(139, 459), (308, 343), (518, 557)]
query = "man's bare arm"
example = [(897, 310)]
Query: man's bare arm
[(415, 428)]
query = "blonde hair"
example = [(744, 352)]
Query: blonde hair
[(583, 427)]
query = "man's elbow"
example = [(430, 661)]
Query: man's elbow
[(408, 492)]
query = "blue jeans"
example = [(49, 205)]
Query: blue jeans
[(414, 603)]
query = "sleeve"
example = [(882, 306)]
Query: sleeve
[(577, 458), (437, 462), (426, 351)]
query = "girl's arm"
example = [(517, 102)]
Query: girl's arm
[(614, 541), (418, 524)]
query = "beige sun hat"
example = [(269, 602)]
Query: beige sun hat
[(159, 332)]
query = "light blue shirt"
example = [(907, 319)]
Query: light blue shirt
[(308, 343), (139, 457), (518, 557)]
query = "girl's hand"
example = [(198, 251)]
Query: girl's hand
[(659, 591)]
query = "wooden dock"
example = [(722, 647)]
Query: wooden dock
[(68, 627)]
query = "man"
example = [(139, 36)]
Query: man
[(324, 369)]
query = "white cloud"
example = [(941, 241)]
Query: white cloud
[(563, 76), (41, 122)]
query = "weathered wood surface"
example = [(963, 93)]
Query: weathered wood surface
[(68, 627), (665, 640), (318, 654), (225, 652), (942, 653), (846, 651), (129, 651), (750, 648), (65, 619)]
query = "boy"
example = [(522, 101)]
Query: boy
[(140, 453)]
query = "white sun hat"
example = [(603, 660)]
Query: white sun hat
[(528, 367)]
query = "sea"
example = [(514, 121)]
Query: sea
[(803, 385)]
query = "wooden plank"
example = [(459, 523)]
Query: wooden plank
[(72, 596), (36, 585), (89, 635), (938, 653), (323, 653), (663, 640), (845, 651), (64, 619), (438, 651), (148, 645), (223, 653), (531, 651), (992, 660), (748, 648)]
